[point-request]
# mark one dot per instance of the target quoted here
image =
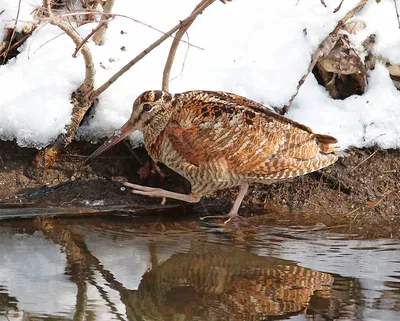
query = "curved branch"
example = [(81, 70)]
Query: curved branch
[(145, 52), (87, 56), (172, 52)]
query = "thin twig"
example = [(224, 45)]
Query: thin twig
[(376, 203), (184, 60), (76, 38), (338, 7), (145, 52), (354, 211), (112, 15), (19, 42), (397, 12), (45, 43), (14, 30), (324, 49), (101, 24), (364, 160), (349, 15), (175, 44), (88, 83)]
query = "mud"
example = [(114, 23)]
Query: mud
[(359, 195)]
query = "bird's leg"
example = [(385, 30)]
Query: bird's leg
[(158, 192), (243, 188), (234, 211)]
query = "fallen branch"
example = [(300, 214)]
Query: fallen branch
[(323, 49)]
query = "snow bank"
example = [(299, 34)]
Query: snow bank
[(258, 49)]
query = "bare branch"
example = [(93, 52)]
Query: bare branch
[(80, 100), (101, 24), (338, 7), (47, 7), (20, 41), (14, 30), (98, 36), (175, 44), (113, 15), (145, 52), (397, 12), (76, 38)]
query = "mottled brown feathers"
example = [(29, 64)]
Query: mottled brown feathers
[(218, 140)]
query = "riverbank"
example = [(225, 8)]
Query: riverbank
[(358, 195)]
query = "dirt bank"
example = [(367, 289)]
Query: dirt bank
[(360, 194)]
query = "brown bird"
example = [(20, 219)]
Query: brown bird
[(220, 140)]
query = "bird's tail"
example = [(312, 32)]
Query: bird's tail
[(325, 143)]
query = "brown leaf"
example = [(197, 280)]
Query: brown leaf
[(353, 27)]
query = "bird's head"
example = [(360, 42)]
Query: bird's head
[(150, 111)]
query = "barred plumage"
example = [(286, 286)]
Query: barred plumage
[(219, 140)]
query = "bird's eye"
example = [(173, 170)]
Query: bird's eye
[(147, 107)]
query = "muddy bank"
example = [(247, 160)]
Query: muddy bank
[(360, 194)]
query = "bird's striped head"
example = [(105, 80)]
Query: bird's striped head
[(150, 113), (150, 107)]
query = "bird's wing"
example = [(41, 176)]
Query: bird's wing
[(251, 142)]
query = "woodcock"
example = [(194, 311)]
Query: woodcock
[(220, 140)]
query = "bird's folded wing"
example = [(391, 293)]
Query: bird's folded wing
[(262, 150)]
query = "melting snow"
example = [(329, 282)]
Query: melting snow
[(257, 49)]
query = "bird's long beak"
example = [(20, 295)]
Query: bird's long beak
[(119, 135)]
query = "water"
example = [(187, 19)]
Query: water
[(124, 269)]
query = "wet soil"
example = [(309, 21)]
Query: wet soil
[(359, 195)]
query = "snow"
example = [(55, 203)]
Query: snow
[(258, 49)]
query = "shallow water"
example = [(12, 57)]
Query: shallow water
[(125, 269)]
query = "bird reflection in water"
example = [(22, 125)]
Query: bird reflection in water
[(201, 281), (224, 283)]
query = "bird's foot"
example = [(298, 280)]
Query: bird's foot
[(159, 192), (227, 218)]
